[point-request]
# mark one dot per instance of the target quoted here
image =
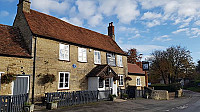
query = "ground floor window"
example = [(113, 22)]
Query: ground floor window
[(63, 80), (107, 82), (121, 80), (100, 83), (138, 81)]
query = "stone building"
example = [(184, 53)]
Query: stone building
[(79, 58), (137, 76)]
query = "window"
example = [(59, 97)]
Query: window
[(111, 59), (100, 83), (119, 61), (107, 82), (64, 52), (63, 80), (121, 80), (82, 54), (138, 81), (97, 57)]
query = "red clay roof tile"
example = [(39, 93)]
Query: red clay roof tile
[(49, 26), (133, 68), (12, 43)]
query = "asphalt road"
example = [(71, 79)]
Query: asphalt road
[(189, 103)]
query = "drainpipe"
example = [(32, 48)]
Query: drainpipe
[(34, 59)]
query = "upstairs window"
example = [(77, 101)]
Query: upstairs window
[(97, 57), (63, 80), (64, 52), (119, 61), (138, 81), (111, 59), (121, 80), (82, 54)]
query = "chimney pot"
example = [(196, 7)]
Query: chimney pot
[(24, 5), (111, 31)]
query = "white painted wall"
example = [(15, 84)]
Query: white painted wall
[(93, 83)]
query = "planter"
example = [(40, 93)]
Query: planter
[(52, 105), (29, 108)]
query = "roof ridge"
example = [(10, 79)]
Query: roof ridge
[(70, 23)]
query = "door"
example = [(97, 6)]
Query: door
[(21, 85)]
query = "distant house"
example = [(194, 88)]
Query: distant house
[(81, 59), (137, 76)]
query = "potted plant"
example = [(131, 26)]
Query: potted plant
[(112, 97), (125, 96), (28, 107), (52, 105)]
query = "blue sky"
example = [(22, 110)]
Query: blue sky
[(146, 25)]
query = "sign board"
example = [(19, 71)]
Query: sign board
[(74, 65), (145, 65)]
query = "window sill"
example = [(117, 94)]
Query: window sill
[(63, 60), (97, 63), (62, 89), (121, 85), (82, 61)]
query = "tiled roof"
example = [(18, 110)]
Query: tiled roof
[(103, 71), (135, 69), (11, 43), (44, 25)]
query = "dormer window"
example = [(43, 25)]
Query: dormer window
[(111, 59)]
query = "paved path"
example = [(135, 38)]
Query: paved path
[(189, 103)]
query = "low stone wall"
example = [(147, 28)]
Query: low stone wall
[(180, 93), (160, 95)]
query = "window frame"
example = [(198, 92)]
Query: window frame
[(82, 59), (109, 58), (119, 63), (64, 80), (101, 82), (121, 79), (64, 58), (138, 78), (96, 58)]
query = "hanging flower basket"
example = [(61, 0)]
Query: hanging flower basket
[(128, 78), (7, 78), (47, 78)]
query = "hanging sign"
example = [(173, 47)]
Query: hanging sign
[(74, 65)]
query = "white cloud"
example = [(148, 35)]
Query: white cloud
[(195, 32), (48, 6), (153, 23), (197, 23), (74, 21), (86, 8), (143, 48), (151, 15), (4, 13), (95, 20), (163, 38), (181, 30)]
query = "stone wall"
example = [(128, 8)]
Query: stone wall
[(160, 95)]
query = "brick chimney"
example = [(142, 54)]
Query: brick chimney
[(24, 5), (111, 30)]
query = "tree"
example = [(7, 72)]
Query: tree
[(198, 67), (172, 64), (132, 56)]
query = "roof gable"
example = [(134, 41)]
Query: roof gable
[(49, 26), (12, 43)]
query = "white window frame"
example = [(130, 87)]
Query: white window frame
[(97, 60), (119, 61), (63, 51), (138, 78), (111, 58), (121, 78), (81, 56), (64, 80)]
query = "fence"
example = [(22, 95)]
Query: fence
[(14, 103), (132, 93), (72, 98)]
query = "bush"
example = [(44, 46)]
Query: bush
[(169, 87), (8, 78)]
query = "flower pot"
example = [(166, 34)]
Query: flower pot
[(52, 105), (29, 108)]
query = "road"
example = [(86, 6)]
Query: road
[(189, 103)]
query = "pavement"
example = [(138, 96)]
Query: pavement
[(190, 102)]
